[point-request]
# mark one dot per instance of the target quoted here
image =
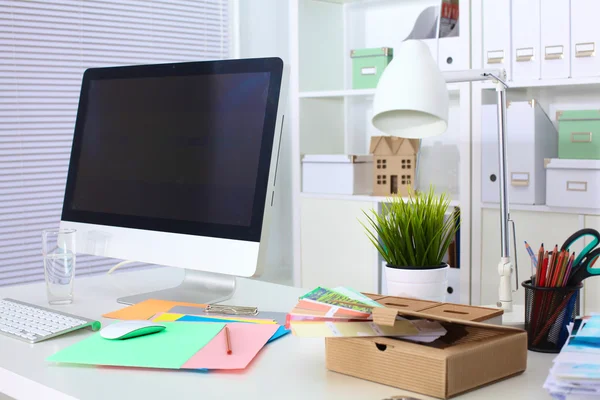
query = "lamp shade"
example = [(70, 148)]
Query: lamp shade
[(411, 99)]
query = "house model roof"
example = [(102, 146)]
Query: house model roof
[(393, 146)]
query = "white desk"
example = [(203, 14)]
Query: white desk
[(290, 368)]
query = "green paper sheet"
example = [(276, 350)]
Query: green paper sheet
[(170, 348)]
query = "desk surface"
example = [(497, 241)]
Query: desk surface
[(290, 368)]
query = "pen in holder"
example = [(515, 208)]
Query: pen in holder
[(548, 312)]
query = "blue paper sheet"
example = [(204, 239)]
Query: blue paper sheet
[(282, 331)]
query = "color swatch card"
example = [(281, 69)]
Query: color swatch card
[(147, 309), (328, 296), (305, 307), (246, 341), (356, 295), (170, 348)]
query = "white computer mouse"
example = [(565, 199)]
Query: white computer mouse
[(130, 329)]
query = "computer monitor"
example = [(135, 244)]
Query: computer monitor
[(176, 165)]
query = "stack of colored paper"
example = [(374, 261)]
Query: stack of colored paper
[(182, 345), (345, 312), (188, 342), (575, 372)]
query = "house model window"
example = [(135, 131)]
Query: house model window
[(397, 156)]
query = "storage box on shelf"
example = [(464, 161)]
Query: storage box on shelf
[(368, 65), (496, 35), (585, 37), (535, 39), (555, 32), (573, 183), (337, 174), (579, 134), (531, 137), (525, 17)]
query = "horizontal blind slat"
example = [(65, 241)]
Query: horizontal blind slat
[(147, 6), (116, 32)]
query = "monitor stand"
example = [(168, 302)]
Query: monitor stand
[(197, 287)]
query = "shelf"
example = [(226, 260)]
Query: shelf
[(355, 197), (332, 94), (544, 208)]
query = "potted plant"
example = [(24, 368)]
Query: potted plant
[(413, 235)]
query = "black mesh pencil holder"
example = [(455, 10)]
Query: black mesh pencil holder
[(548, 312)]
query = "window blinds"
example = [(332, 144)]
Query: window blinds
[(45, 46)]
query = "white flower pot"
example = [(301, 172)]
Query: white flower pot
[(424, 284)]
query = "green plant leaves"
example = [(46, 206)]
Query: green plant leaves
[(413, 232)]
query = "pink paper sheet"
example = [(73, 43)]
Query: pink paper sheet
[(246, 341)]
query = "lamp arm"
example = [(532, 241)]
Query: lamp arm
[(473, 75), (505, 266)]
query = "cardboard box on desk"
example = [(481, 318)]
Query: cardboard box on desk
[(470, 355)]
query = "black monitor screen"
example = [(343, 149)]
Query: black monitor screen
[(181, 148)]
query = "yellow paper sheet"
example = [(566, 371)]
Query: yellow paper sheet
[(147, 309), (169, 317), (351, 329)]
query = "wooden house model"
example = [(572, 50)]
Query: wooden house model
[(394, 164)]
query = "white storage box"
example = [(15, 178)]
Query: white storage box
[(573, 183), (585, 38), (555, 32), (525, 23), (496, 35), (530, 138), (337, 174)]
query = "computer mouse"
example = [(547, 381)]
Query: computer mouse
[(130, 329)]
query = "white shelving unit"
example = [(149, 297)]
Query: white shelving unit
[(534, 223), (329, 117)]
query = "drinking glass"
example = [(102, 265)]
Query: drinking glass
[(58, 249)]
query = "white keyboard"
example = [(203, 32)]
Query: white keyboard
[(33, 324)]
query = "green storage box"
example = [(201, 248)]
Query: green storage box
[(368, 65), (579, 134)]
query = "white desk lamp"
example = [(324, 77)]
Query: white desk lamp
[(411, 101)]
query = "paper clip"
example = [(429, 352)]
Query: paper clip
[(230, 310)]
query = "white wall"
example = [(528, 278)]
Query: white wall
[(263, 32)]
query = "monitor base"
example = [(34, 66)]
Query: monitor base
[(197, 287)]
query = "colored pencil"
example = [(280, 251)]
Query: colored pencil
[(228, 341), (568, 270), (563, 270), (551, 266), (539, 264), (544, 269), (557, 269), (547, 297), (534, 260), (540, 298)]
